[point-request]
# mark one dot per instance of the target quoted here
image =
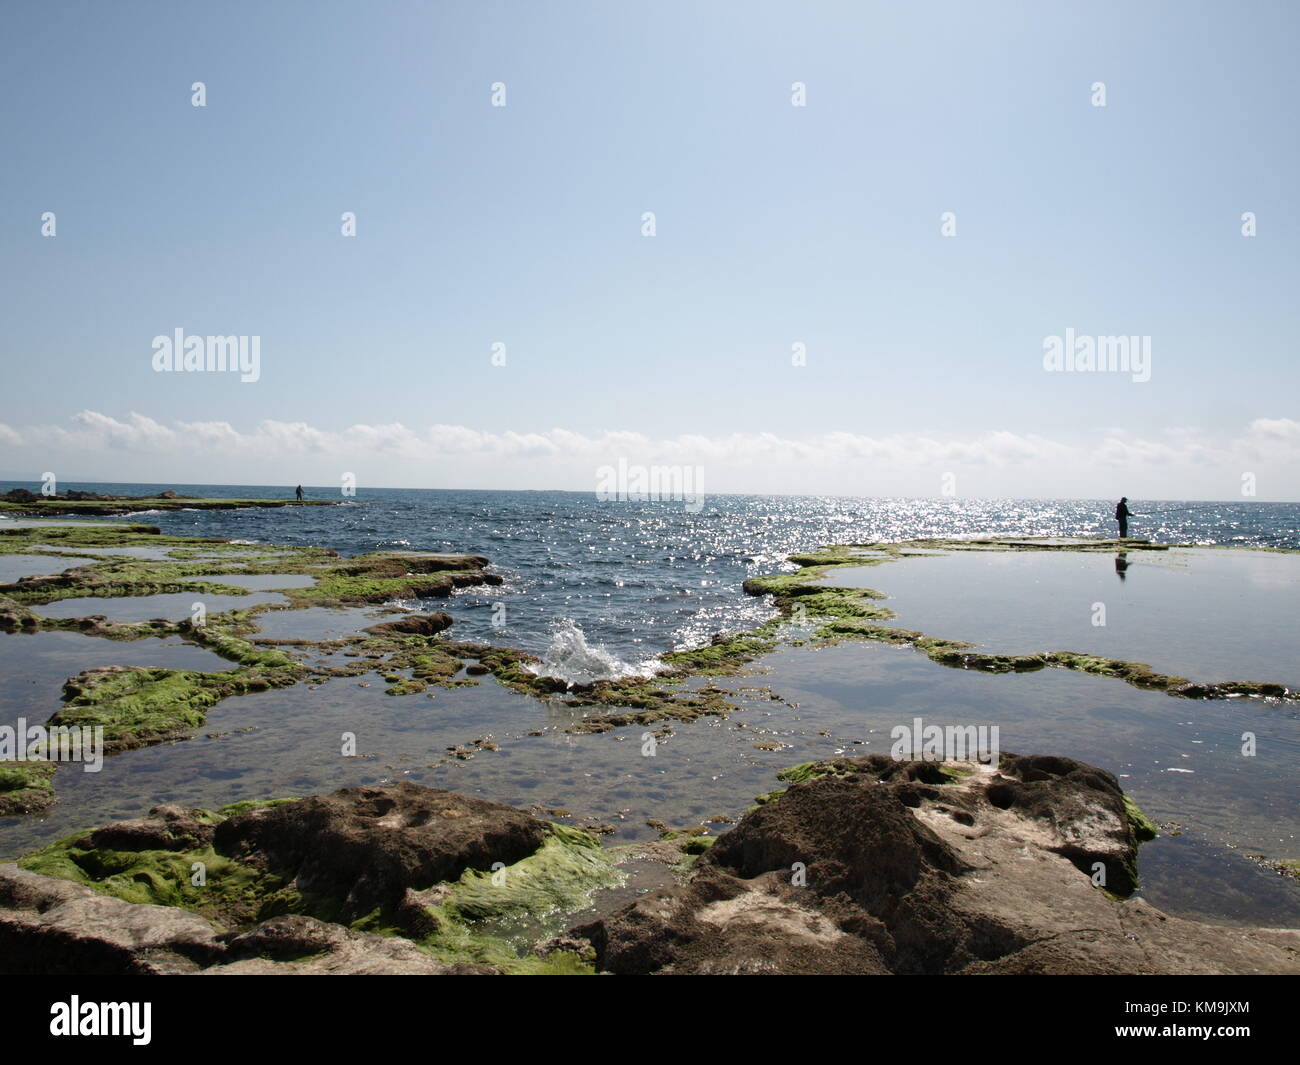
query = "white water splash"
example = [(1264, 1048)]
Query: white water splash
[(571, 659)]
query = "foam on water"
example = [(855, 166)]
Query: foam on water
[(572, 659)]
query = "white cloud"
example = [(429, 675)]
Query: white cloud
[(1179, 463)]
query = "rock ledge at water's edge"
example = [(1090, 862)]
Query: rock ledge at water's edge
[(862, 865)]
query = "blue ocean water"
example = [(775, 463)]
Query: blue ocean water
[(638, 578)]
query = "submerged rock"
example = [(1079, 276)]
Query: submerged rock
[(874, 866)]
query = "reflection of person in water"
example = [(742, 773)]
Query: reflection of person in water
[(1121, 516), (1121, 565)]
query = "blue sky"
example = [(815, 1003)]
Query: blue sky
[(775, 225)]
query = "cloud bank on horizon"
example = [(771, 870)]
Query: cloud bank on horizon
[(1182, 464)]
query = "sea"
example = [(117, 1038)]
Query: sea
[(603, 587)]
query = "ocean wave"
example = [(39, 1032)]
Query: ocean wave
[(572, 659)]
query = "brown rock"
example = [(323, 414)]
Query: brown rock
[(299, 945), (883, 869), (365, 846), (166, 828), (55, 927), (414, 625)]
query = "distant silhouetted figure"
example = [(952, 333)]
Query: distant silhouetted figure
[(1121, 516), (300, 500)]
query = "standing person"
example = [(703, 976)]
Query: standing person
[(299, 494), (1121, 516)]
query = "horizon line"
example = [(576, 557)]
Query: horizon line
[(573, 491)]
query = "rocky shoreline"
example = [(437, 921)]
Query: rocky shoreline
[(21, 501), (928, 868), (860, 866), (140, 707)]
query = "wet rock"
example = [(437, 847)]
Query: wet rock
[(365, 846), (414, 625), (1232, 689), (29, 794), (15, 617), (299, 945), (50, 926), (54, 927), (302, 886), (866, 865), (1077, 810), (166, 828)]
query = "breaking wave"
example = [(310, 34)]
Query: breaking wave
[(572, 659)]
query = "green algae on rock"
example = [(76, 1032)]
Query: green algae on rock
[(470, 919), (138, 706), (851, 613), (1288, 867), (449, 873), (388, 575), (26, 787), (615, 702), (377, 577)]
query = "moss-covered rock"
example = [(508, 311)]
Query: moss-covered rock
[(456, 876), (138, 707), (26, 787)]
